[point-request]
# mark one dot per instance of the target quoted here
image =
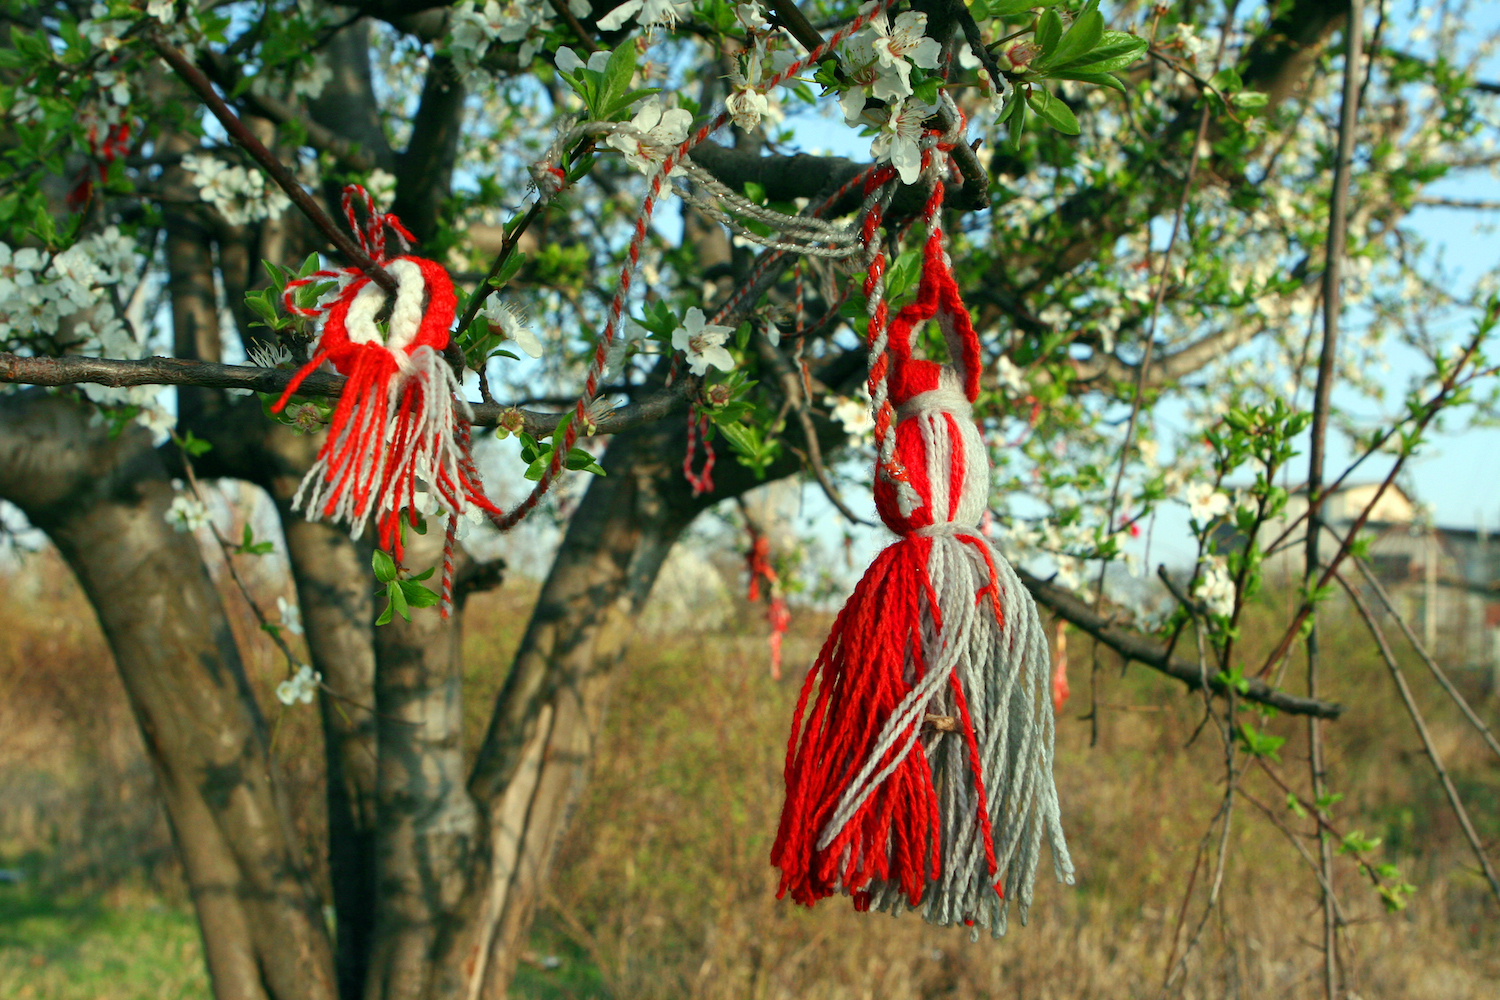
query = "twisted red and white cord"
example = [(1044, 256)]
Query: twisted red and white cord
[(658, 181)]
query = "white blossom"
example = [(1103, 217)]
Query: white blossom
[(854, 414), (1205, 503), (1215, 587), (752, 17), (568, 61), (704, 344), (746, 106), (904, 44), (164, 11), (301, 686), (187, 514), (513, 325), (651, 134), (291, 615), (900, 137), (269, 355), (647, 13), (1010, 376), (241, 196)]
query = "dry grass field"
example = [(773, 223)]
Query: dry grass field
[(663, 889)]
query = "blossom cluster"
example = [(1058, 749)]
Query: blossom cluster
[(187, 514), (879, 60), (1215, 587), (63, 299), (476, 29), (300, 687), (241, 196)]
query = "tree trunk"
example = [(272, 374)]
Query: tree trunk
[(429, 829), (103, 501)]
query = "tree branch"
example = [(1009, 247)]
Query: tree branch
[(223, 72), (1151, 654), (74, 369), (194, 78)]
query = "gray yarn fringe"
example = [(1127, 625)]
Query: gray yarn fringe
[(1006, 682)]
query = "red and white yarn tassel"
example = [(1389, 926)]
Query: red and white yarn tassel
[(919, 770), (402, 423)]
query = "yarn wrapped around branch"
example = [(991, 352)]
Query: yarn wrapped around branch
[(919, 769)]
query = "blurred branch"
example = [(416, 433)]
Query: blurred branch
[(791, 388), (1437, 671), (226, 74), (1469, 203), (1152, 654), (1417, 721), (194, 78)]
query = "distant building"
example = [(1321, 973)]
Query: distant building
[(1445, 582)]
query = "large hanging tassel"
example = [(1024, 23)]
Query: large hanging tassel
[(920, 772), (402, 422)]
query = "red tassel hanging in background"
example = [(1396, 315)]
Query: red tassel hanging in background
[(402, 423), (919, 770)]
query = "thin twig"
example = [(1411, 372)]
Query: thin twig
[(194, 78), (1412, 710), (791, 387), (566, 13), (1145, 364), (1432, 665), (1434, 406), (1296, 842)]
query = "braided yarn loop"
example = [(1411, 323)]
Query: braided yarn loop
[(402, 423), (919, 767)]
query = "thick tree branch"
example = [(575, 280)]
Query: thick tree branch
[(74, 369), (1152, 654)]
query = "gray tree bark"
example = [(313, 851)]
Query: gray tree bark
[(103, 501)]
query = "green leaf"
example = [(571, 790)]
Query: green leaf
[(927, 90), (194, 446), (385, 616), (1017, 123), (903, 273), (397, 595), (1081, 38), (1097, 79), (1295, 806), (1053, 111), (1048, 31), (416, 595), (1116, 50), (1008, 8), (617, 74), (384, 566), (512, 265), (1260, 743), (1250, 99), (580, 460), (426, 573)]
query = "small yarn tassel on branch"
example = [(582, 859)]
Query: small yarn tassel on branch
[(402, 423), (919, 770)]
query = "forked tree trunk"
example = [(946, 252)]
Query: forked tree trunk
[(103, 500), (535, 759)]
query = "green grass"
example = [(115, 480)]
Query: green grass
[(125, 945)]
